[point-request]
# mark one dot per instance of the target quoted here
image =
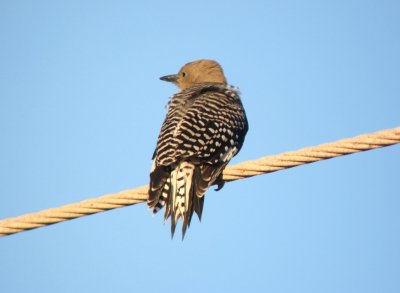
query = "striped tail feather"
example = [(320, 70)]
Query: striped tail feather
[(158, 190), (181, 191), (182, 195)]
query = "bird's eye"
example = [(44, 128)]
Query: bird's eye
[(183, 74)]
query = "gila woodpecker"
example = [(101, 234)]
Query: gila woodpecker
[(204, 128)]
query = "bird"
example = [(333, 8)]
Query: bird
[(204, 128)]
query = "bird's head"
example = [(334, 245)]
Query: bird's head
[(196, 72)]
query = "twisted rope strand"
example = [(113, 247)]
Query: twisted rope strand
[(312, 154), (243, 170)]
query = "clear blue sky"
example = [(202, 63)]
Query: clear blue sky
[(81, 106)]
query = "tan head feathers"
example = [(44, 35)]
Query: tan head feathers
[(197, 72)]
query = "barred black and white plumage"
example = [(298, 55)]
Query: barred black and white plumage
[(204, 128)]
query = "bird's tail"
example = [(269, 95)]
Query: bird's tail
[(182, 196), (176, 190), (181, 190)]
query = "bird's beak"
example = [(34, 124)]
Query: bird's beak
[(170, 78)]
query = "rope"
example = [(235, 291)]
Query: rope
[(243, 170)]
